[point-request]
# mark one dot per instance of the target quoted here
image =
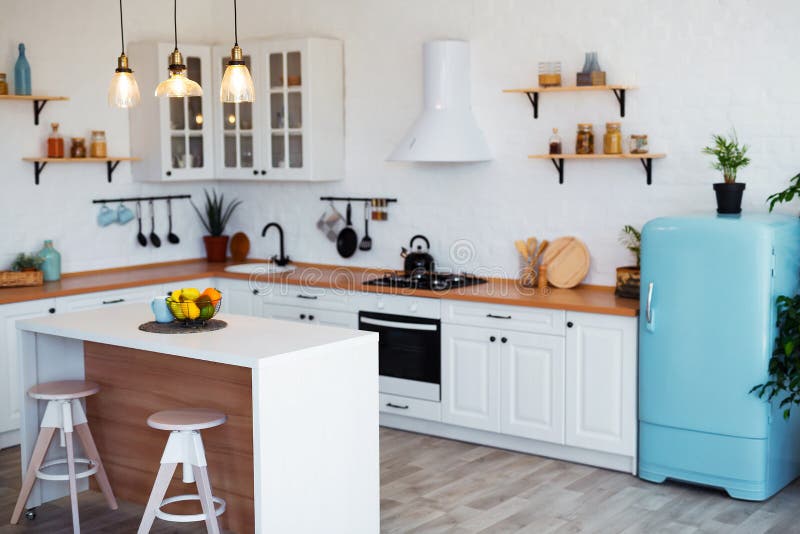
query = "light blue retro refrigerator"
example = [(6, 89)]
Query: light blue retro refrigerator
[(706, 334)]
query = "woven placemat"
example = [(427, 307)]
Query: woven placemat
[(180, 328)]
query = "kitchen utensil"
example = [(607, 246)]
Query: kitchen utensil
[(542, 247), (171, 237), (532, 243), (419, 261), (331, 223), (347, 241), (154, 239), (567, 260), (522, 249), (366, 241), (240, 246), (140, 237)]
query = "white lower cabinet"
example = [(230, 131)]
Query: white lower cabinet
[(239, 297), (90, 301), (10, 395), (310, 315), (601, 376), (532, 386)]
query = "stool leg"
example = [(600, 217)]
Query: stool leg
[(204, 490), (39, 450), (73, 483), (156, 496), (85, 435)]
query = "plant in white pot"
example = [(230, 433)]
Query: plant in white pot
[(215, 217), (629, 278), (730, 158)]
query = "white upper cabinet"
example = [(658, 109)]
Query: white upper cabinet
[(172, 136)]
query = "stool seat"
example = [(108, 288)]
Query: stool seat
[(186, 419), (63, 390)]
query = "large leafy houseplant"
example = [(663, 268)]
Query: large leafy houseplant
[(629, 278), (729, 157), (215, 217)]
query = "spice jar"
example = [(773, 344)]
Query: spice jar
[(555, 142), (549, 74), (3, 84), (612, 140), (97, 149), (584, 143), (638, 144), (78, 148), (55, 143)]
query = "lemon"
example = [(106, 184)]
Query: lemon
[(192, 311), (175, 308), (190, 293), (176, 295)]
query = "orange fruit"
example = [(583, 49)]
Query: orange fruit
[(212, 294)]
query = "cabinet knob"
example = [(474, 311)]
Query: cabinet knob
[(263, 172), (310, 317), (51, 310), (255, 292), (302, 315), (255, 171), (168, 173), (569, 324), (492, 339), (503, 339)]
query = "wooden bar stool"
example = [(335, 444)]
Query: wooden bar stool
[(184, 446), (65, 413)]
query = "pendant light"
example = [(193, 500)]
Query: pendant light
[(123, 92), (237, 84), (177, 85)]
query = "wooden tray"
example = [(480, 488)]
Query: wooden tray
[(567, 260), (21, 278)]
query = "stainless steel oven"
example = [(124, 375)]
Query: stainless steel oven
[(409, 353)]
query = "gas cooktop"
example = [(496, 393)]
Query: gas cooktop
[(432, 281)]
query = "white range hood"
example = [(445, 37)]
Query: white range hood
[(446, 131)]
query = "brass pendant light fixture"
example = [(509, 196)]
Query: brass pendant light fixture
[(177, 85), (237, 84), (123, 92)]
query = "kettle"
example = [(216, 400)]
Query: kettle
[(417, 261)]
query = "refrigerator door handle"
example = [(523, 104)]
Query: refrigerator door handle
[(649, 308)]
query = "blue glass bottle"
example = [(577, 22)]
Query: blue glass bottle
[(22, 73), (51, 268)]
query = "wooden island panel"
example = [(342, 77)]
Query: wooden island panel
[(136, 383)]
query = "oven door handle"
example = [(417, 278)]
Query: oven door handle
[(404, 326)]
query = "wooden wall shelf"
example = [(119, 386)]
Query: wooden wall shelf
[(558, 161), (111, 163), (38, 102), (533, 93)]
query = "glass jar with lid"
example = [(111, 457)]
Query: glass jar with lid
[(639, 144), (78, 148), (55, 143), (555, 142), (3, 84), (97, 148), (584, 142), (612, 140)]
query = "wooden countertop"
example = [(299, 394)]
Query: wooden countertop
[(584, 298)]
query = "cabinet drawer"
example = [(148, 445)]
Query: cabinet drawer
[(421, 409), (399, 305), (308, 297), (101, 299), (523, 319)]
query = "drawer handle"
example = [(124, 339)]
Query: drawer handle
[(113, 301), (398, 406), (310, 317), (51, 310), (493, 316), (308, 297)]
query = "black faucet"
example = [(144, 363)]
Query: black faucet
[(281, 260)]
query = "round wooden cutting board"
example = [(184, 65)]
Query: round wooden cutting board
[(567, 260), (240, 246)]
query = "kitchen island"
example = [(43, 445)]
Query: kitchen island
[(299, 452)]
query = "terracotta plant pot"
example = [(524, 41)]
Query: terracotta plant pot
[(629, 280), (216, 247), (729, 197)]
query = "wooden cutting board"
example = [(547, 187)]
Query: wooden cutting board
[(240, 246), (567, 260)]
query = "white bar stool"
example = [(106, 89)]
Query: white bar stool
[(184, 446), (64, 412)]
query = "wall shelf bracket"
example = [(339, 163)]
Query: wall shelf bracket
[(620, 94), (648, 169), (111, 166), (38, 167), (38, 106), (534, 98), (559, 163)]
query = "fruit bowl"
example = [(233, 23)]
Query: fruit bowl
[(194, 311)]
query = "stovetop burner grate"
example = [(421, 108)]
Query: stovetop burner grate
[(426, 280)]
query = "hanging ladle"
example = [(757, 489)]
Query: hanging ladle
[(140, 236), (171, 237), (366, 241), (154, 239)]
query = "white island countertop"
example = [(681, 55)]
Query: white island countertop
[(246, 341)]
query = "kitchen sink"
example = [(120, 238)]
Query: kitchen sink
[(259, 268)]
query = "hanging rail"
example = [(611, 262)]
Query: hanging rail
[(139, 199), (357, 199)]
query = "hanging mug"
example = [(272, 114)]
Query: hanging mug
[(106, 216)]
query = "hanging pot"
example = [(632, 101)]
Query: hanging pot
[(729, 197)]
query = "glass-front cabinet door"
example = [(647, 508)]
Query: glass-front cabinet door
[(186, 136), (286, 96), (238, 130)]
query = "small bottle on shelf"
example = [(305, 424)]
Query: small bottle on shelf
[(584, 143), (55, 143), (555, 142), (97, 149), (612, 139)]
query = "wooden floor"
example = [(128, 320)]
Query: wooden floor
[(436, 485)]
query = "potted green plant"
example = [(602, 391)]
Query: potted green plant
[(26, 262), (730, 158), (629, 278), (215, 217)]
